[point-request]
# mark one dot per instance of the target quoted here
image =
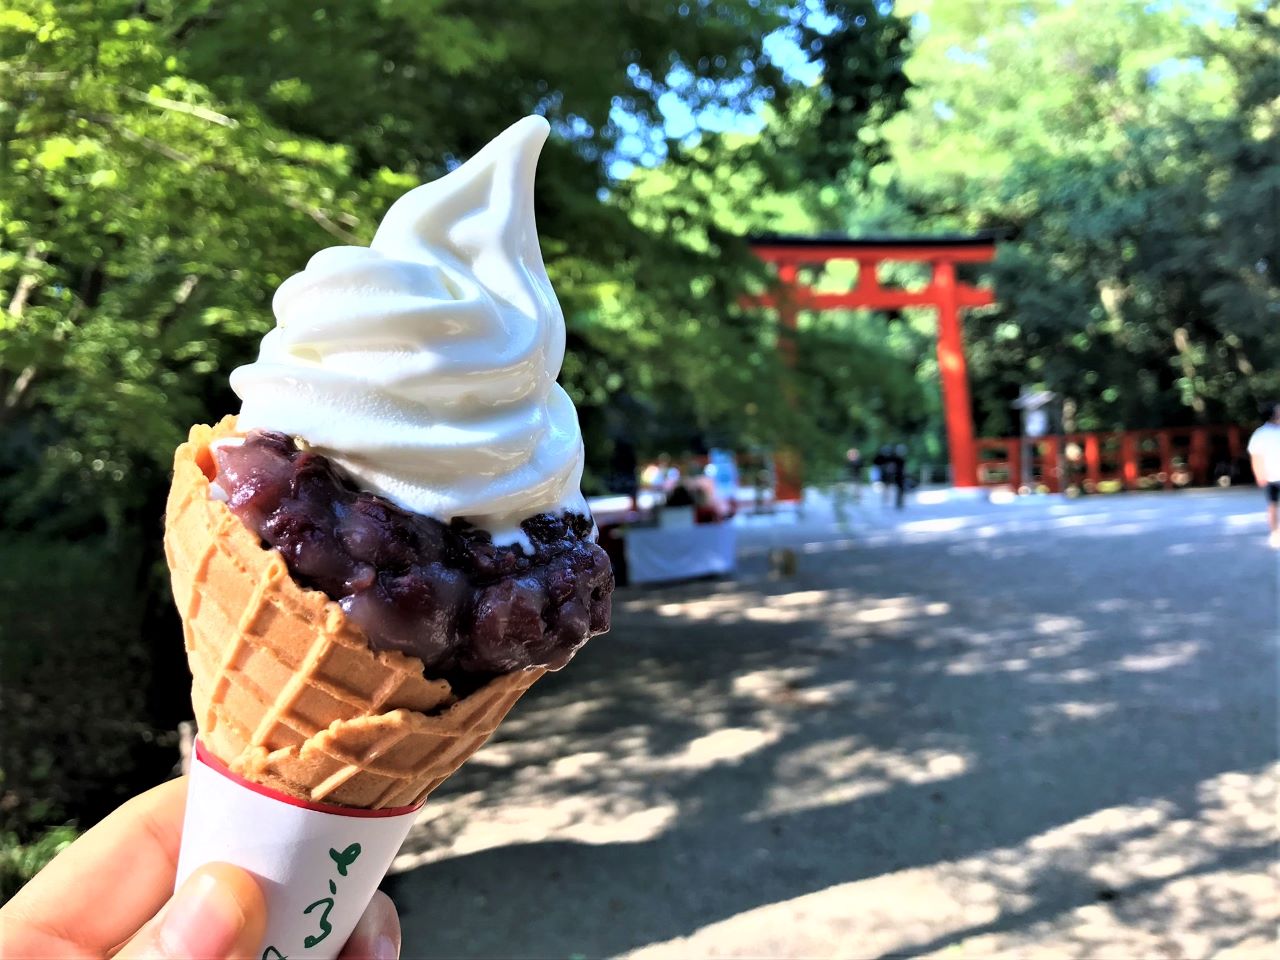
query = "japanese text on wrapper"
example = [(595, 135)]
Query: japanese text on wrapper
[(342, 860)]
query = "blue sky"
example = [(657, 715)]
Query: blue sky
[(641, 146)]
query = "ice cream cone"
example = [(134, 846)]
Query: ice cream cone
[(288, 693)]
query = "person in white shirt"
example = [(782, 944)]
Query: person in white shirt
[(1264, 452)]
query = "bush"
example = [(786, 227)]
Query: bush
[(19, 862), (74, 673)]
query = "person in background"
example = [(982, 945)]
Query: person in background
[(681, 495), (661, 476), (671, 473), (701, 492), (622, 470), (853, 464), (651, 476), (899, 459), (882, 468), (1264, 454)]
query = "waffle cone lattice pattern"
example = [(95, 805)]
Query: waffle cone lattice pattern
[(287, 693)]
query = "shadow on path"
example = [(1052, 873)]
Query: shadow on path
[(740, 744)]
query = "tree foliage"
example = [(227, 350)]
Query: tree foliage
[(1134, 150), (165, 164)]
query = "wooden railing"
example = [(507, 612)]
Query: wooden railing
[(1118, 460)]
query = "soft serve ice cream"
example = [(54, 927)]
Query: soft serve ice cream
[(407, 449), (425, 364)]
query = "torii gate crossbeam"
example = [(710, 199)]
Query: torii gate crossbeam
[(944, 292)]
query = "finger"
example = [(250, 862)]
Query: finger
[(218, 913), (377, 935), (102, 888)]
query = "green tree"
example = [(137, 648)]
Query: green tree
[(1143, 283), (1131, 148), (165, 164)]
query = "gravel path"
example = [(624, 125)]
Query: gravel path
[(1036, 729)]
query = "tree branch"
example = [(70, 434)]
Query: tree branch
[(322, 218), (17, 304), (1182, 342), (25, 285), (19, 388), (38, 76), (22, 383), (164, 103), (180, 297), (212, 15)]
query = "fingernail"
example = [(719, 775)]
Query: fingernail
[(385, 948), (203, 919)]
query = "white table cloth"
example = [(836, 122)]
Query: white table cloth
[(655, 555)]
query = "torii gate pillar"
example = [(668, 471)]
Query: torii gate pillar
[(954, 374)]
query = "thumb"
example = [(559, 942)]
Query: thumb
[(219, 913)]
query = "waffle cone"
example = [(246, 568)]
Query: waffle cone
[(287, 692)]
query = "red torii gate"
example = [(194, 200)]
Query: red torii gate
[(944, 292)]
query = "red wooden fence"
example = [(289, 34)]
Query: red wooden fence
[(1118, 460)]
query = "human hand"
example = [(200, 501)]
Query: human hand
[(110, 894)]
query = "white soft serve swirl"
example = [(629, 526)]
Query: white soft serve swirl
[(425, 364)]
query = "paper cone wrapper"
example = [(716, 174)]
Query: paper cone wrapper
[(318, 865)]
